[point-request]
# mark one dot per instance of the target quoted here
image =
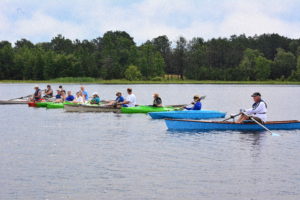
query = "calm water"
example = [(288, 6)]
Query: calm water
[(51, 154)]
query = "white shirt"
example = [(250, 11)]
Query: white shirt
[(131, 99), (259, 111), (79, 100)]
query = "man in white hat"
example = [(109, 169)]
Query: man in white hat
[(37, 95), (95, 99)]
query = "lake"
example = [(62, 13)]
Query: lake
[(51, 154)]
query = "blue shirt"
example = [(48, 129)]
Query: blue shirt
[(85, 94), (197, 106), (95, 100), (70, 98), (58, 96), (120, 99)]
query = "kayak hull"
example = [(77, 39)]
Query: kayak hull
[(43, 104), (179, 124), (55, 105), (89, 108), (145, 109), (31, 104), (13, 101), (188, 114)]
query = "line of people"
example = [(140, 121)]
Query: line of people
[(82, 97)]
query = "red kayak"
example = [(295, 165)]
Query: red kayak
[(33, 104)]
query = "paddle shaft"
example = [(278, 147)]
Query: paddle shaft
[(20, 97), (232, 116), (264, 127)]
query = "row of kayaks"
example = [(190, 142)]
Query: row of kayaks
[(176, 119), (155, 112), (50, 105)]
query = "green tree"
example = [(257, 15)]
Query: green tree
[(163, 45), (150, 61), (284, 64), (119, 47), (262, 68), (7, 66), (247, 67), (23, 43), (179, 56), (132, 73)]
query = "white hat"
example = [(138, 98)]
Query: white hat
[(36, 86), (95, 93)]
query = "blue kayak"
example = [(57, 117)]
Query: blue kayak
[(180, 124), (188, 114)]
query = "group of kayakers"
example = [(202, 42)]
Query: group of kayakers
[(258, 110), (83, 97)]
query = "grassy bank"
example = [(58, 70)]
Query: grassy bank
[(121, 81)]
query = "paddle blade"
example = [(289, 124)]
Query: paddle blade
[(275, 134)]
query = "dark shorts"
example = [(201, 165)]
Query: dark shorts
[(251, 121)]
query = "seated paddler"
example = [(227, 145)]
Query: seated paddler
[(70, 97), (37, 96), (196, 104), (95, 99), (258, 110), (119, 100), (157, 102)]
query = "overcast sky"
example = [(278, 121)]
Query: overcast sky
[(40, 20)]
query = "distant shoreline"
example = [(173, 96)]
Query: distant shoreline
[(118, 81)]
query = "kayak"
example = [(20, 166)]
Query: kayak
[(17, 101), (89, 108), (43, 103), (188, 114), (181, 124), (54, 105), (145, 109), (31, 104)]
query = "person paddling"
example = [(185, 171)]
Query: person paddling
[(48, 92), (37, 96), (84, 93), (61, 89), (258, 110), (79, 98), (119, 99), (157, 102), (70, 97), (196, 104), (130, 99), (60, 97), (95, 99)]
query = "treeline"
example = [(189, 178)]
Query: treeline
[(116, 56)]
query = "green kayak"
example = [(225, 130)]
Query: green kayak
[(54, 105), (43, 104), (145, 109)]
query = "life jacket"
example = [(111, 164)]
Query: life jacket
[(157, 101), (36, 93), (256, 104), (51, 94)]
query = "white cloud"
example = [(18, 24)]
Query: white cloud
[(40, 21)]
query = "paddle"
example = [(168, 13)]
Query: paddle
[(21, 97), (264, 127), (232, 117)]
